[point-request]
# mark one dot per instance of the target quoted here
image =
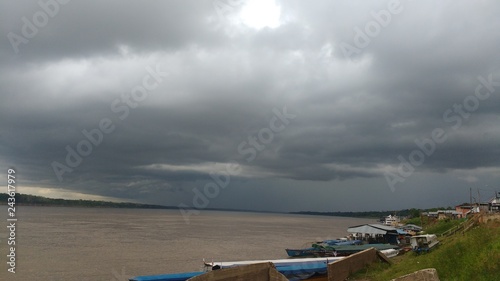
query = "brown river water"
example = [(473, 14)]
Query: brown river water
[(58, 243)]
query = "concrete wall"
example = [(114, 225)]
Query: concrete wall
[(341, 269)]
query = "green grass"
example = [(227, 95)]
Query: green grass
[(415, 221), (474, 255), (441, 226)]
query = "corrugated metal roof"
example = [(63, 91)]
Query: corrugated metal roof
[(372, 229)]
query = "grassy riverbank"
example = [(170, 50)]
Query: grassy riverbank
[(473, 255)]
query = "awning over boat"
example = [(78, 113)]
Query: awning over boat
[(372, 229)]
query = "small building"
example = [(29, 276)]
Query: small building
[(464, 209), (448, 214), (432, 215), (495, 203), (444, 214), (391, 220)]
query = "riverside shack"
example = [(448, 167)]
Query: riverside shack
[(375, 233)]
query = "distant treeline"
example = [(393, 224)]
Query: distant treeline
[(410, 213), (33, 200), (25, 199)]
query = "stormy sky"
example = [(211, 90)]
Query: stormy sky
[(262, 105)]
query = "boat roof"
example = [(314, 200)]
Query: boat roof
[(363, 247), (412, 225), (372, 229)]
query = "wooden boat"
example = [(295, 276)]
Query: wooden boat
[(346, 250), (423, 243)]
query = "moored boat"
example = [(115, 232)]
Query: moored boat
[(423, 243), (318, 246), (346, 250), (300, 252), (327, 250)]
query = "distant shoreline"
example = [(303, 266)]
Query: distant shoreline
[(153, 207), (40, 201)]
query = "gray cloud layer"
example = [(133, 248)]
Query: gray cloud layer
[(354, 116)]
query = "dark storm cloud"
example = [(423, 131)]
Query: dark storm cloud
[(91, 28), (354, 115)]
